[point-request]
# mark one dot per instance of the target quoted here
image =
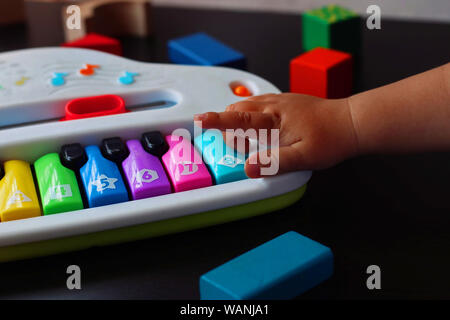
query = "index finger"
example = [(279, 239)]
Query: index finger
[(237, 120)]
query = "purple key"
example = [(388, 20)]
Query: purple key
[(144, 173)]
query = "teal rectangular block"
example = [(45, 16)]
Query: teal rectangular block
[(282, 268)]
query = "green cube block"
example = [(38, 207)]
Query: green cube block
[(331, 27)]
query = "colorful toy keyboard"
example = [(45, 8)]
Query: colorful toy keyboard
[(70, 185)]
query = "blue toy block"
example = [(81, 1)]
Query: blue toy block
[(282, 268), (202, 49)]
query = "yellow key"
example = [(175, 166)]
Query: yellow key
[(18, 197)]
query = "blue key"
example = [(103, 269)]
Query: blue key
[(102, 180), (282, 268), (225, 163)]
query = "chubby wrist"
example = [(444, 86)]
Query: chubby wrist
[(354, 125)]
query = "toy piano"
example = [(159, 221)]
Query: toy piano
[(90, 156)]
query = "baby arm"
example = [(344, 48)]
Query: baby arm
[(410, 115)]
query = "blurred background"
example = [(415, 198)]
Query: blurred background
[(414, 9), (438, 10)]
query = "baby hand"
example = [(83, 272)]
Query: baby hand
[(314, 133)]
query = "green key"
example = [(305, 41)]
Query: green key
[(58, 185)]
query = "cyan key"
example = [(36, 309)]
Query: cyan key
[(102, 180), (225, 163), (282, 268)]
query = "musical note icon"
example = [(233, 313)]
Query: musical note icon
[(88, 69), (21, 82), (127, 78), (58, 78)]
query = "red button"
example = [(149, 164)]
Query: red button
[(242, 91), (96, 106)]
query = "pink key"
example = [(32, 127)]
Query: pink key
[(184, 165)]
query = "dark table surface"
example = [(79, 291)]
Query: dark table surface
[(391, 211)]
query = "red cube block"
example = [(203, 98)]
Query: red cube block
[(97, 42), (322, 72)]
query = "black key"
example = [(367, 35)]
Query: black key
[(73, 156), (114, 149), (154, 143)]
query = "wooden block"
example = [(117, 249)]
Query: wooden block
[(47, 19), (322, 73)]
